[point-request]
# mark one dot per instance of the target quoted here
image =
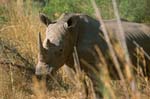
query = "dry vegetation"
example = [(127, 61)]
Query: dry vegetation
[(18, 56)]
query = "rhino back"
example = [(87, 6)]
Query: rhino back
[(90, 35), (134, 32)]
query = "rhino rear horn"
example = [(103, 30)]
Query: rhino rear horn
[(44, 19), (49, 44)]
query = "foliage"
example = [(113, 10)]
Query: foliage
[(57, 7), (3, 18), (133, 10)]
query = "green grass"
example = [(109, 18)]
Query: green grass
[(135, 10)]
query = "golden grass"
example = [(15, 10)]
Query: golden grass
[(20, 35)]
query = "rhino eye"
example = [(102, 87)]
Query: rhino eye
[(60, 50)]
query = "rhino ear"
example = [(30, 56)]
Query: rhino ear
[(71, 22), (44, 19)]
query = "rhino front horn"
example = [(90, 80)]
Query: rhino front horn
[(41, 49)]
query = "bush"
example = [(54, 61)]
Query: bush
[(57, 7), (132, 10)]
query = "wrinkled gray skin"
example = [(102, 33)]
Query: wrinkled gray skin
[(83, 32)]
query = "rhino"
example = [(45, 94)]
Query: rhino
[(83, 31)]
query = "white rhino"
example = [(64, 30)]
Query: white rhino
[(82, 31)]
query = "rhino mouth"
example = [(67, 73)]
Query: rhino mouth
[(46, 70)]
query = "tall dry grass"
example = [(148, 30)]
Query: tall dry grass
[(18, 39), (18, 47)]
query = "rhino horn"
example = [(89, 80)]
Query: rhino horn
[(49, 44), (41, 48)]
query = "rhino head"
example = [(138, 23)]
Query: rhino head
[(58, 43)]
